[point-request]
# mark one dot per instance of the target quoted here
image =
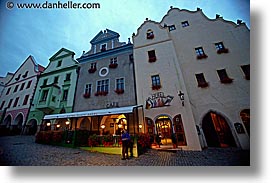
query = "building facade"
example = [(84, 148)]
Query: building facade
[(192, 74), (4, 81), (16, 96), (105, 101), (55, 90)]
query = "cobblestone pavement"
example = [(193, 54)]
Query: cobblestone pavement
[(23, 151)]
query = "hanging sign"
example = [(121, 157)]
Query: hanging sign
[(158, 100)]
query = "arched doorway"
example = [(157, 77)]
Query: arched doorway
[(245, 116), (6, 125), (85, 124), (164, 129), (31, 127), (17, 127), (216, 131)]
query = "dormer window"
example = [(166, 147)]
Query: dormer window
[(103, 47), (150, 34)]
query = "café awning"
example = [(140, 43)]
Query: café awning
[(99, 112)]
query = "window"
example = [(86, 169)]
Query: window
[(18, 77), (87, 90), (44, 95), (131, 57), (93, 68), (59, 63), (220, 48), (45, 82), (152, 56), (224, 77), (103, 47), (113, 63), (200, 53), (26, 74), (149, 34), (102, 87), (68, 77), (65, 95), (119, 86), (201, 80), (156, 82), (2, 105), (26, 100), (22, 86), (9, 105), (15, 89), (172, 27), (15, 102), (55, 79), (246, 71), (29, 84), (184, 24), (8, 91)]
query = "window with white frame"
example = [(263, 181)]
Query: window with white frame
[(102, 85)]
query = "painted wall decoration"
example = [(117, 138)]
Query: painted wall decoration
[(158, 100)]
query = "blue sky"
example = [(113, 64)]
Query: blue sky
[(42, 32)]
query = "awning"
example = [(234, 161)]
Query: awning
[(100, 112)]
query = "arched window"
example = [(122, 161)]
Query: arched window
[(150, 34)]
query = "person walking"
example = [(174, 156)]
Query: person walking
[(125, 143)]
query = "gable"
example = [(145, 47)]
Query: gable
[(103, 36), (61, 53)]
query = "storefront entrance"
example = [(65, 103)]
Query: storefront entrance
[(164, 129), (217, 132)]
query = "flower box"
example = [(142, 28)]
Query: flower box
[(156, 87), (202, 56), (92, 70), (203, 84), (101, 93), (152, 59), (86, 95), (113, 66), (119, 91), (222, 50), (226, 80)]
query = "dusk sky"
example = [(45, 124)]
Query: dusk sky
[(42, 32)]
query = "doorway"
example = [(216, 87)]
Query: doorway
[(164, 129), (217, 131)]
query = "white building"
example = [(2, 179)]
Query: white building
[(193, 77)]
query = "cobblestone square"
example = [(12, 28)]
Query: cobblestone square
[(23, 151)]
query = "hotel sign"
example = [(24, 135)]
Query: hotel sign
[(158, 100)]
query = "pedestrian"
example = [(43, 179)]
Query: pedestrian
[(125, 137)]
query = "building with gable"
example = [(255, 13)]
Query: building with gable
[(105, 100), (192, 75), (55, 90), (16, 97), (4, 81)]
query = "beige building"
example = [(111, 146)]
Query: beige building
[(192, 76)]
